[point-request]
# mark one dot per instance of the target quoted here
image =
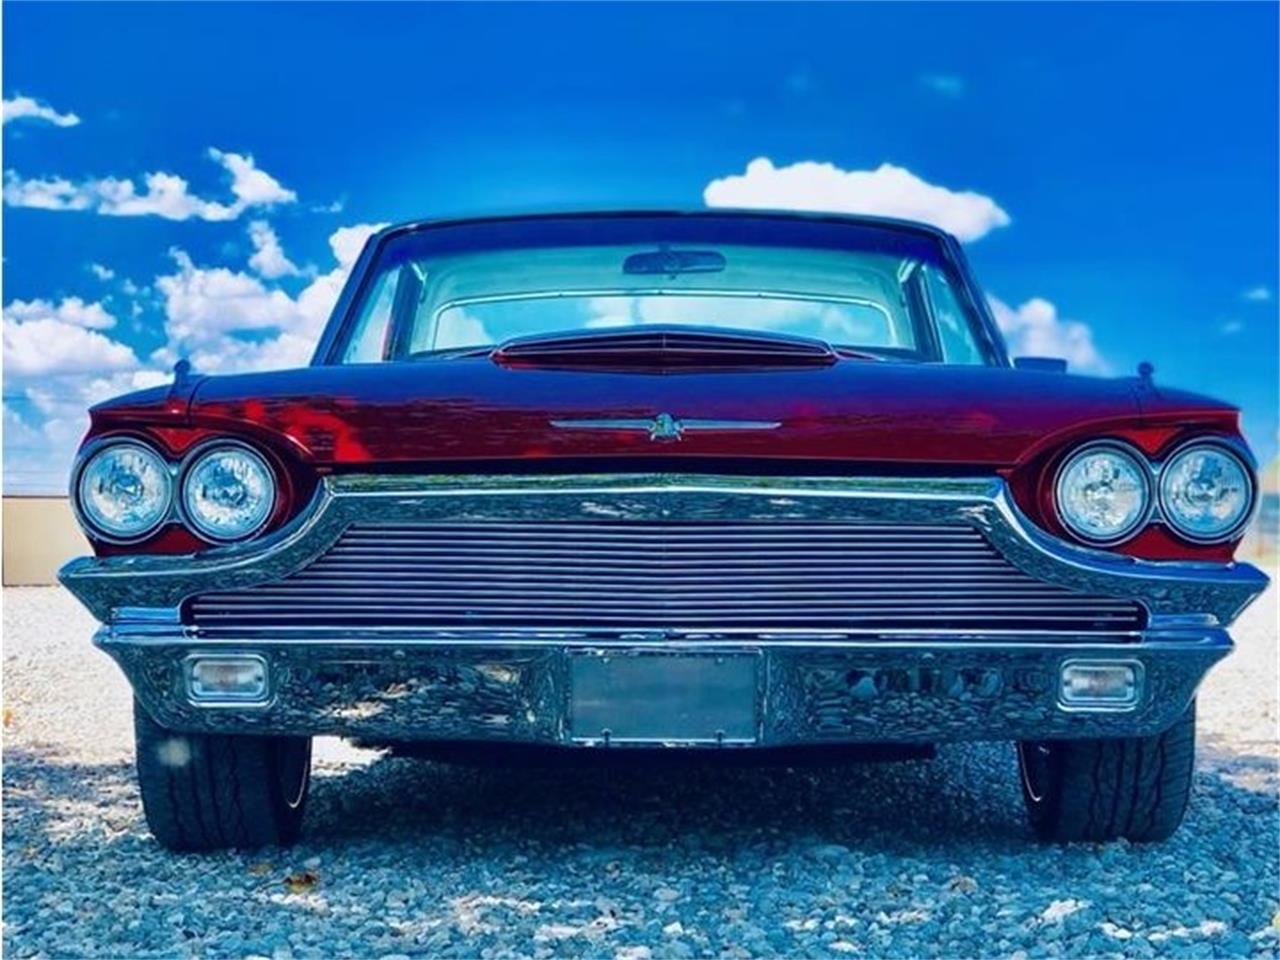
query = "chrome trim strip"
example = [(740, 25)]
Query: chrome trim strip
[(686, 424), (391, 639), (664, 426), (1216, 593)]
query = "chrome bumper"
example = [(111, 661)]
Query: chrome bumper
[(401, 689), (837, 685)]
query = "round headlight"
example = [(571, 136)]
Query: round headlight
[(124, 491), (1103, 493), (1206, 492), (228, 493)]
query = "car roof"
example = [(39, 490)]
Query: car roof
[(891, 223)]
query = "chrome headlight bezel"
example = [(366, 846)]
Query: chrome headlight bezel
[(1232, 453), (85, 517), (193, 460), (1142, 469)]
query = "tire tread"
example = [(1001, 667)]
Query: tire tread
[(225, 794), (1099, 790)]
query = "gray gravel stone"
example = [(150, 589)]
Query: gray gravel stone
[(414, 859)]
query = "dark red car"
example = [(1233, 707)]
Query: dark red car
[(705, 482)]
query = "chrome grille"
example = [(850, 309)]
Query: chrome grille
[(681, 576)]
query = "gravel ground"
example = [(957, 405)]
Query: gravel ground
[(402, 857)]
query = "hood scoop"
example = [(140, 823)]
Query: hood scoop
[(666, 347)]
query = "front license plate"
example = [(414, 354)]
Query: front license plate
[(663, 698)]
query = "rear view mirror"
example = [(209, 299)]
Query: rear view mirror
[(1043, 364), (671, 262)]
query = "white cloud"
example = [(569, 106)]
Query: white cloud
[(947, 85), (28, 108), (1230, 327), (58, 361), (49, 193), (101, 272), (269, 258), (45, 421), (42, 339), (208, 312), (73, 396), (37, 455), (164, 195), (347, 242), (1034, 329), (1257, 294), (225, 320), (252, 187), (204, 304), (70, 310), (888, 191), (45, 347)]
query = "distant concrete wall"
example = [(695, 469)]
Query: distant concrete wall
[(40, 535), (1262, 543)]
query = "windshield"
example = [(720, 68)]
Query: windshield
[(878, 292)]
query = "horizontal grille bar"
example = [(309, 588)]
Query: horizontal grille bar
[(600, 595), (659, 575)]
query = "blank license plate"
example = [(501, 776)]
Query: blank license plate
[(663, 698)]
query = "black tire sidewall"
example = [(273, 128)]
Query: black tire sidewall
[(205, 791)]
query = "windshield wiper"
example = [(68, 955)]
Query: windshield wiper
[(880, 354), (852, 353), (452, 353)]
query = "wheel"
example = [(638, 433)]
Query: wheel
[(209, 791), (1098, 790)]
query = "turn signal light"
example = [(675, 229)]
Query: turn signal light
[(1100, 685), (224, 679)]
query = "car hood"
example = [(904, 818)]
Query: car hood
[(472, 409)]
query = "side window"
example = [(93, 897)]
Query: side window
[(955, 333), (369, 338)]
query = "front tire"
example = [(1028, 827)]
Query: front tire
[(212, 791), (1100, 790)]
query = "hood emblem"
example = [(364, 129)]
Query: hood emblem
[(664, 428)]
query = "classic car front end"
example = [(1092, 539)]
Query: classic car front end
[(705, 481)]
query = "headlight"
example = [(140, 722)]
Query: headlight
[(228, 493), (124, 491), (1206, 492), (1103, 493)]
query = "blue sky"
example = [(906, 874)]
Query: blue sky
[(1113, 167)]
